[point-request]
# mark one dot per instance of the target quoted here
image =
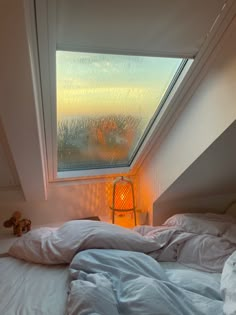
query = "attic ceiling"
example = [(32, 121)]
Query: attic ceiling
[(7, 179), (174, 28), (213, 173), (141, 27), (8, 175), (208, 184)]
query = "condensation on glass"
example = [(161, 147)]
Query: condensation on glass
[(105, 104)]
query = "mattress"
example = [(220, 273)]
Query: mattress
[(32, 289)]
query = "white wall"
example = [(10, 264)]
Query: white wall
[(66, 201), (209, 112)]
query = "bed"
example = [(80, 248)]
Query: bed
[(186, 266)]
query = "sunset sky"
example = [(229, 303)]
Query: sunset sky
[(94, 84)]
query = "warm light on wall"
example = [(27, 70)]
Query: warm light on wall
[(123, 197)]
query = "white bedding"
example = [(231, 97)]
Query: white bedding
[(205, 283), (133, 284), (203, 250), (32, 289), (111, 265), (228, 285)]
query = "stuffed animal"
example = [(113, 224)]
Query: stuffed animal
[(19, 225)]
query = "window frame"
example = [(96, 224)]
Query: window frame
[(46, 10)]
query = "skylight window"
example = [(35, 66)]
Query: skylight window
[(106, 104)]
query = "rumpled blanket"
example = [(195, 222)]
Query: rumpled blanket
[(112, 282), (228, 285)]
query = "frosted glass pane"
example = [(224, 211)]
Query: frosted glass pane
[(105, 104)]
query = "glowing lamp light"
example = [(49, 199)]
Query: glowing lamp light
[(123, 197)]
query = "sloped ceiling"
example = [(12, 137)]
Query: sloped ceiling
[(8, 175), (213, 173), (209, 184), (18, 104)]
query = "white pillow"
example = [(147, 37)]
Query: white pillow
[(205, 252), (199, 223), (33, 247), (230, 234), (56, 246)]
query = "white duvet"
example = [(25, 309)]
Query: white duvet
[(129, 283), (228, 285), (206, 247)]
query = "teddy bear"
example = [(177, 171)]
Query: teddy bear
[(19, 225)]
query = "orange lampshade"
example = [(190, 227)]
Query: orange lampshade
[(123, 197), (123, 194)]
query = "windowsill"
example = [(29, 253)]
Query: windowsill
[(91, 174)]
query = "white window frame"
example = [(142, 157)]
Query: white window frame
[(46, 33)]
